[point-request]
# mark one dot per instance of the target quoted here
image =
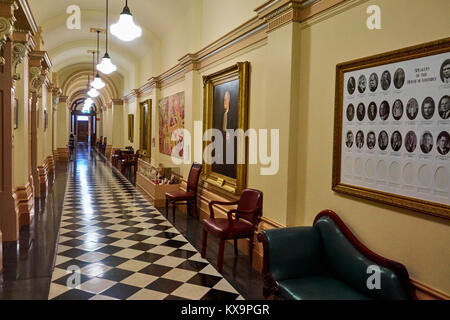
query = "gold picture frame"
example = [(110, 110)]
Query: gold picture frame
[(131, 128), (236, 182), (145, 111), (395, 59)]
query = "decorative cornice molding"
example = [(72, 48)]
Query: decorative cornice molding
[(270, 16)]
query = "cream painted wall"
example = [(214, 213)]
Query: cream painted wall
[(418, 241), (21, 169), (220, 17)]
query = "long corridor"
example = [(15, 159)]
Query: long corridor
[(113, 244)]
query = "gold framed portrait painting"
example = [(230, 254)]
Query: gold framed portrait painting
[(226, 95), (145, 112), (392, 120), (131, 128)]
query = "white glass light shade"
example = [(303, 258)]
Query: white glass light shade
[(106, 66), (98, 83), (125, 29), (93, 93), (88, 102)]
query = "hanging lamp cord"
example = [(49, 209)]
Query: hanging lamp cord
[(107, 21)]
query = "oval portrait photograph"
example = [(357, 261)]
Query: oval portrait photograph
[(412, 109), (426, 142), (362, 84), (445, 71), (411, 141), (386, 80), (397, 109), (360, 140), (396, 141), (428, 108), (443, 143), (373, 82), (350, 112), (371, 140), (361, 112), (351, 85), (383, 140), (444, 108), (399, 78), (384, 110), (372, 111), (349, 139)]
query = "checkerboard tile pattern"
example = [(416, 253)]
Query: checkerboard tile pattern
[(123, 248)]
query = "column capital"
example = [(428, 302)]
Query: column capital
[(7, 21)]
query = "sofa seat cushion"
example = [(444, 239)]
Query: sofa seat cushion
[(317, 288)]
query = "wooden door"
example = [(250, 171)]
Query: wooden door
[(83, 131)]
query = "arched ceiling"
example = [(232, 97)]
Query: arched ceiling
[(68, 48)]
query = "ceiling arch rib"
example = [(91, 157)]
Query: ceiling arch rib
[(83, 75)]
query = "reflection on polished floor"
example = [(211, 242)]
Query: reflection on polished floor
[(123, 248)]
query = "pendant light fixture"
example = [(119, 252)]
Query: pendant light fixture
[(97, 83), (92, 93), (106, 66), (125, 29)]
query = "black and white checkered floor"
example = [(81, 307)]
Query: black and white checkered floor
[(122, 248)]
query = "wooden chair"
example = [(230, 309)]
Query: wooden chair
[(188, 197), (129, 161), (243, 225)]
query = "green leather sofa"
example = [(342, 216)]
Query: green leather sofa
[(327, 262)]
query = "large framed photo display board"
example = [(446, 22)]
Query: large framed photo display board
[(392, 128)]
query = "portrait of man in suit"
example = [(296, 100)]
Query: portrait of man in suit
[(349, 139), (426, 142), (371, 140), (412, 109), (383, 140), (411, 141), (399, 78), (350, 112), (444, 107), (373, 82), (351, 85), (445, 71), (361, 112), (384, 110), (362, 84), (396, 141), (225, 120), (360, 140), (443, 143), (386, 80), (372, 111), (428, 108), (397, 109)]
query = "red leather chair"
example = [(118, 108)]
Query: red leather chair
[(186, 198), (243, 225)]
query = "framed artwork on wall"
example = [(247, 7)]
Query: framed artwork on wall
[(171, 119), (226, 95), (131, 128), (145, 129), (392, 128), (16, 114)]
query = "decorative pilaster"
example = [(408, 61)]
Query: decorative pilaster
[(9, 222), (25, 204)]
